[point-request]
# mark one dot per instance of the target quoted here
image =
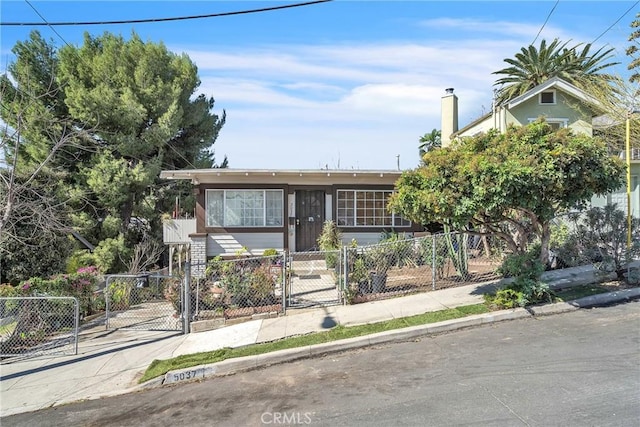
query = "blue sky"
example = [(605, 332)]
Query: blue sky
[(344, 84)]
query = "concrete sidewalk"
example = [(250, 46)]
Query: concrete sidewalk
[(110, 362)]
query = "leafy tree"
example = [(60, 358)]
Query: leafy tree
[(533, 66), (429, 141), (35, 241), (134, 109), (509, 185)]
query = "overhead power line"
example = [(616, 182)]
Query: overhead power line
[(178, 18), (545, 21), (618, 20), (45, 22)]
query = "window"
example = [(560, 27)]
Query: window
[(244, 208), (364, 208), (555, 123), (548, 97)]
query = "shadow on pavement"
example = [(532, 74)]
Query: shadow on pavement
[(83, 358)]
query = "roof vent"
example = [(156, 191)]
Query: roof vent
[(449, 90)]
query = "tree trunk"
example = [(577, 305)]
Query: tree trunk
[(545, 239)]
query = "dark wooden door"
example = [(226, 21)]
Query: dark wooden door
[(309, 218)]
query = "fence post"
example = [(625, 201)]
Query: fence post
[(107, 297), (285, 279), (289, 281), (433, 262), (345, 281), (76, 325), (186, 315)]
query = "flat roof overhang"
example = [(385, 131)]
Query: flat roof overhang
[(284, 176)]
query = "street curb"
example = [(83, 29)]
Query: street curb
[(247, 363), (608, 298)]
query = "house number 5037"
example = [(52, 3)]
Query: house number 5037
[(188, 375)]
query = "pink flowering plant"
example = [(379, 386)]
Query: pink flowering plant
[(81, 285)]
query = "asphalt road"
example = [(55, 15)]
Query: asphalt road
[(575, 369)]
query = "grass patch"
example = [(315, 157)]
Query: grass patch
[(161, 367), (576, 292)]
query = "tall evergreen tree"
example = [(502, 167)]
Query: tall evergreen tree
[(135, 110)]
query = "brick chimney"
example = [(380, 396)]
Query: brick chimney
[(449, 116)]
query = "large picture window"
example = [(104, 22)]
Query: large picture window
[(244, 208), (366, 208)]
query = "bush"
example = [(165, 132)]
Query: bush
[(119, 292), (600, 238), (330, 241), (506, 298), (526, 288), (270, 252)]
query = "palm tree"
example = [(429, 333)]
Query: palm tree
[(429, 141), (532, 66)]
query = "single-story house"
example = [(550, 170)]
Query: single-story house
[(562, 105), (281, 209)]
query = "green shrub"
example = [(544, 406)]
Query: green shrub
[(119, 295), (526, 288), (330, 241), (270, 252), (506, 298)]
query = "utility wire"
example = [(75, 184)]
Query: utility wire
[(618, 20), (178, 18), (545, 21), (46, 23), (167, 143)]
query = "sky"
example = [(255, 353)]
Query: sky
[(343, 84)]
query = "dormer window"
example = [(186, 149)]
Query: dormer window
[(548, 97)]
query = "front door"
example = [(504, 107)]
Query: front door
[(309, 218)]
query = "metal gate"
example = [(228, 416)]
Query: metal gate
[(31, 326), (314, 279), (145, 302)]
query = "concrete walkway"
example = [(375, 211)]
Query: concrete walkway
[(111, 362)]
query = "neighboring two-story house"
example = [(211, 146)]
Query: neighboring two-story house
[(562, 105)]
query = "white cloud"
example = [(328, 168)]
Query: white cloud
[(362, 114), (352, 104)]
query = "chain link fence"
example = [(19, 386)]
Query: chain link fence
[(240, 287), (33, 326), (403, 266), (143, 302)]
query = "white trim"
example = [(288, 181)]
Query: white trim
[(558, 83), (393, 217), (564, 123), (244, 190)]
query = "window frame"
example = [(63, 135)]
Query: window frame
[(562, 122), (553, 93), (263, 210), (368, 215)]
